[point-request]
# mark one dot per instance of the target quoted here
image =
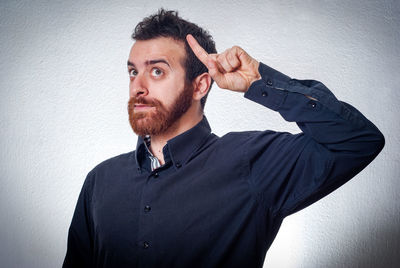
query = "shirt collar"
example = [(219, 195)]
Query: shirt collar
[(179, 148)]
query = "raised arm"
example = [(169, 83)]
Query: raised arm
[(289, 172)]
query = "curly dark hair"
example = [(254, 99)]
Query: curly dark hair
[(167, 23)]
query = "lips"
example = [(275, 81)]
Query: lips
[(142, 107)]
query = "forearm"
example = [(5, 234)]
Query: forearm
[(315, 110)]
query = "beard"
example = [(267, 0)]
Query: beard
[(158, 119)]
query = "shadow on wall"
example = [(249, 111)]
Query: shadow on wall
[(379, 248)]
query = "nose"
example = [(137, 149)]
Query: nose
[(138, 87)]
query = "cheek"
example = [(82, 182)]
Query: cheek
[(131, 89), (169, 90)]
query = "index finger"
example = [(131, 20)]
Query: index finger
[(200, 53)]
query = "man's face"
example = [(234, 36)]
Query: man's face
[(158, 93)]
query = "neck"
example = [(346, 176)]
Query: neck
[(184, 123)]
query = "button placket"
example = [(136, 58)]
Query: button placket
[(146, 220)]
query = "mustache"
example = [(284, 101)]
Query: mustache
[(141, 100)]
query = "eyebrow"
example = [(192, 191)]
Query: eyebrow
[(150, 62)]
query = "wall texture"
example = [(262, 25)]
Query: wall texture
[(64, 90)]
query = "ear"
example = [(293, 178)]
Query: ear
[(201, 85)]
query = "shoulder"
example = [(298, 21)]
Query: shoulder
[(115, 164), (109, 171)]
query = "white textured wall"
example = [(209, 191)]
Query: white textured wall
[(64, 90)]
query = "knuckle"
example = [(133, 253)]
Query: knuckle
[(231, 56), (233, 60)]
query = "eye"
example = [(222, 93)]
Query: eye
[(132, 72), (156, 72)]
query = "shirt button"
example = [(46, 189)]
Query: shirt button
[(178, 165), (146, 245), (264, 94), (269, 82), (155, 175), (147, 208)]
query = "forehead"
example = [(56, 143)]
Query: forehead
[(159, 48)]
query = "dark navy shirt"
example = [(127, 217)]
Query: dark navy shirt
[(219, 201)]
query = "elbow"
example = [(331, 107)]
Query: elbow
[(376, 144), (380, 143)]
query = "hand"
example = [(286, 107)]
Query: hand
[(233, 69)]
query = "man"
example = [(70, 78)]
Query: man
[(187, 198)]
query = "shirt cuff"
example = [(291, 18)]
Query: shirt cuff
[(271, 89)]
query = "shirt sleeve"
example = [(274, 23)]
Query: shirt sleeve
[(289, 172), (80, 235)]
